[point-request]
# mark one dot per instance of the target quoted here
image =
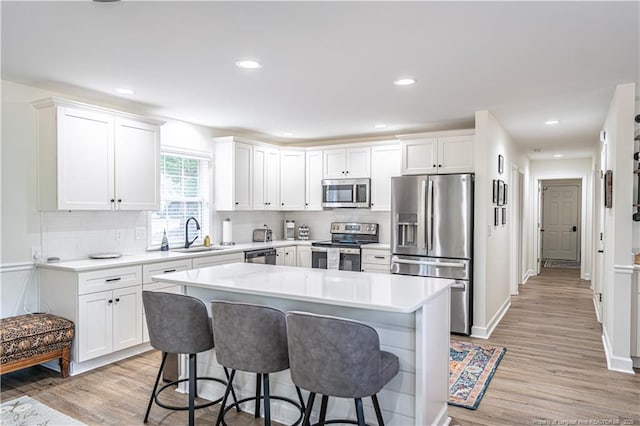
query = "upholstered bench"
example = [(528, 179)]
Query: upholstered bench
[(32, 339)]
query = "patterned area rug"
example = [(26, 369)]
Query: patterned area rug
[(471, 368), (27, 411), (562, 264)]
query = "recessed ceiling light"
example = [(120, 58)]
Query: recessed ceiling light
[(404, 82), (287, 134), (380, 126), (551, 122), (248, 64), (558, 155), (124, 91)]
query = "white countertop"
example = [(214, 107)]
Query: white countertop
[(81, 265), (381, 292)]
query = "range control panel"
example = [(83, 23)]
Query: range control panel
[(354, 228)]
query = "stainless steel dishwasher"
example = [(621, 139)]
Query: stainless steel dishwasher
[(266, 256)]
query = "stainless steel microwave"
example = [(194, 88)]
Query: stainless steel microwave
[(352, 193)]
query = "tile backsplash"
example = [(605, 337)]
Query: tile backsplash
[(75, 235)]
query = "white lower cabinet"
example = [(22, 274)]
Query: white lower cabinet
[(376, 260), (154, 269), (218, 259), (105, 305), (303, 255), (286, 256)]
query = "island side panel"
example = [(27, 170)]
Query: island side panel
[(397, 335), (432, 360)]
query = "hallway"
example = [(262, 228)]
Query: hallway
[(555, 370)]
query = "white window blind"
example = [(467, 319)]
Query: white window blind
[(184, 192)]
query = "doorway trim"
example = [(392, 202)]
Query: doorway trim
[(585, 219), (516, 230)]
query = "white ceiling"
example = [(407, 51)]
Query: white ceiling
[(328, 67)]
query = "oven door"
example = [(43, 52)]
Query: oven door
[(349, 258)]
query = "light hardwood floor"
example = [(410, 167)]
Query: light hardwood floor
[(554, 372)]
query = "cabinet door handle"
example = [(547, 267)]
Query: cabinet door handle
[(113, 200), (237, 203), (110, 301), (117, 299), (119, 200), (282, 204), (439, 165), (378, 257), (347, 171), (434, 165), (169, 270), (109, 280)]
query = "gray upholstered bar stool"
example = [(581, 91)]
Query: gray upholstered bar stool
[(181, 325), (252, 338), (337, 357)]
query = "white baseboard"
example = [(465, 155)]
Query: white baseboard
[(595, 307), (485, 332), (81, 367), (527, 275), (636, 362), (615, 363), (587, 276), (442, 418)]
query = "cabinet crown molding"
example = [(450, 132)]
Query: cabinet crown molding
[(61, 102), (444, 133)]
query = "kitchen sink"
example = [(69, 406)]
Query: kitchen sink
[(198, 249)]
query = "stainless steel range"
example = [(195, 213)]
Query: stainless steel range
[(343, 251)]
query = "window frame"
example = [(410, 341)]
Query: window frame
[(205, 178)]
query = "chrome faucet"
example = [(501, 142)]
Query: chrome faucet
[(187, 243)]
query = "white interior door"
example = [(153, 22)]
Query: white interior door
[(560, 222)]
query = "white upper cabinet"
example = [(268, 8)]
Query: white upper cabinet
[(91, 158), (266, 178), (450, 153), (233, 174), (137, 156), (347, 163), (292, 180), (385, 163), (313, 180)]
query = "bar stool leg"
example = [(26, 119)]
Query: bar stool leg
[(233, 392), (258, 389), (192, 388), (227, 391), (307, 412), (300, 398), (359, 412), (376, 407), (267, 403), (323, 409), (155, 386)]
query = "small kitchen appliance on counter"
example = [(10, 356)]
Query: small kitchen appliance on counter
[(289, 229), (262, 235), (343, 251)]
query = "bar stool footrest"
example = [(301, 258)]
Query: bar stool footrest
[(184, 408), (253, 398), (340, 421)]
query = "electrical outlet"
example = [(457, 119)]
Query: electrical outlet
[(118, 235), (36, 253), (141, 233)]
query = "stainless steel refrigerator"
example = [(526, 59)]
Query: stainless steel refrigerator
[(432, 235)]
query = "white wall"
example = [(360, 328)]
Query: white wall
[(617, 274), (491, 243), (565, 169)]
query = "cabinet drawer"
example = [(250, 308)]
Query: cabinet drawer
[(377, 257), (109, 279), (218, 259), (152, 269), (379, 269)]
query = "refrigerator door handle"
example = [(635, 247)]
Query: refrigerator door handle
[(429, 263), (421, 237), (430, 218), (459, 286)]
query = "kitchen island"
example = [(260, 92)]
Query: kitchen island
[(410, 314)]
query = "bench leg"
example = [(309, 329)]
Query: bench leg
[(64, 362)]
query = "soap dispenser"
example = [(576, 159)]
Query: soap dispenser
[(164, 245)]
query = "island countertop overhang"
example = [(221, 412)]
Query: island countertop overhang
[(379, 292)]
